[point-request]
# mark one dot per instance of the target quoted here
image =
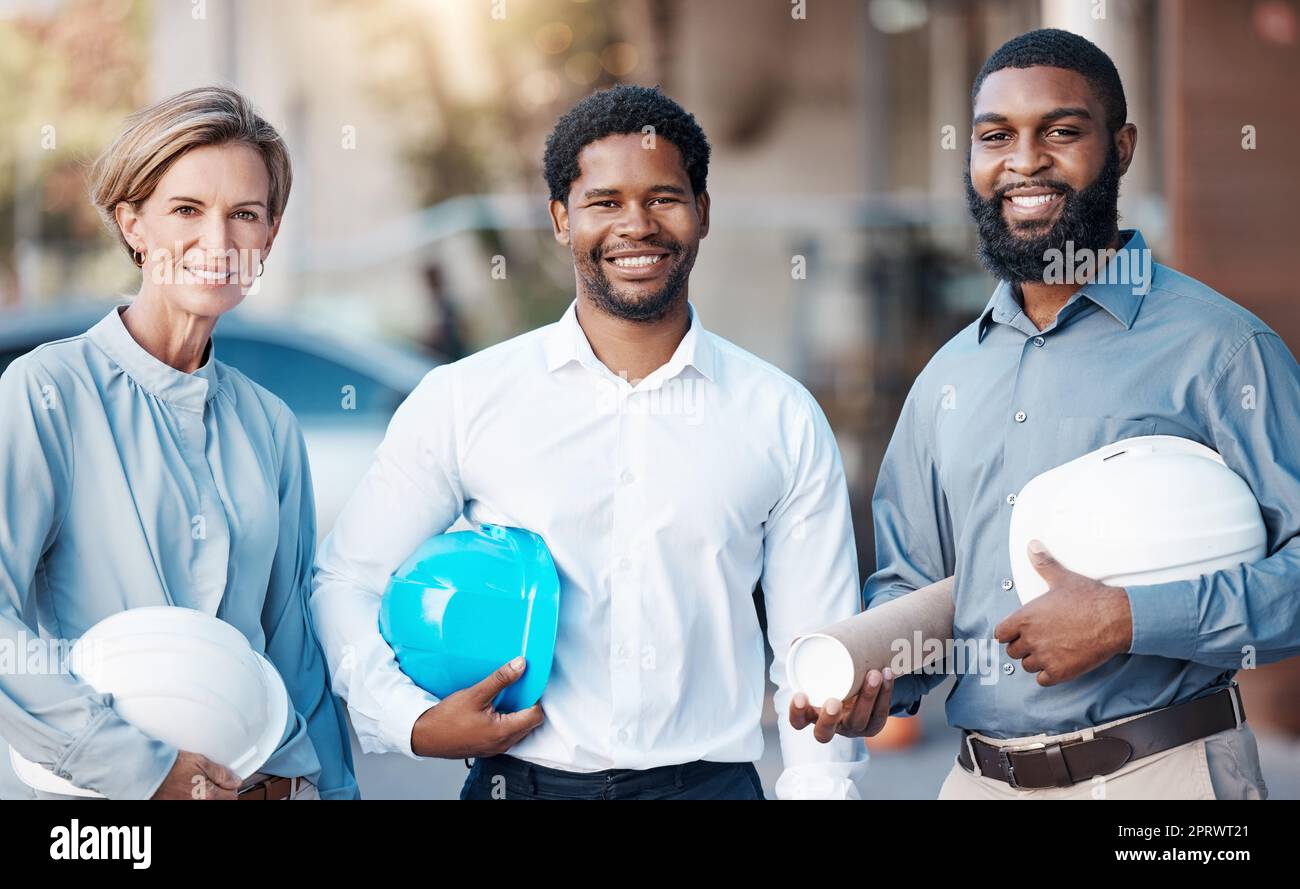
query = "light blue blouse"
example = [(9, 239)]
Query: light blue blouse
[(124, 483)]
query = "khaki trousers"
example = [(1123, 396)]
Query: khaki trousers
[(1221, 766)]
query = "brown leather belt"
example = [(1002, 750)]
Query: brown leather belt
[(271, 787), (1032, 766)]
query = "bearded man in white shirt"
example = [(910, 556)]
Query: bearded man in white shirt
[(668, 471)]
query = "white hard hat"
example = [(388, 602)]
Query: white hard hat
[(1140, 511), (183, 677)]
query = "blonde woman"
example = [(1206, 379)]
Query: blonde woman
[(136, 469)]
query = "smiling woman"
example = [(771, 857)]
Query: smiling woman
[(194, 189), (137, 470)]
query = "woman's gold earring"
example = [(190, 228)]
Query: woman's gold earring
[(261, 267), (138, 257)]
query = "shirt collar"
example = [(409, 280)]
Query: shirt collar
[(567, 342), (1121, 299), (155, 377)]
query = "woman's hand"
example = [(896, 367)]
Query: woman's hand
[(194, 776)]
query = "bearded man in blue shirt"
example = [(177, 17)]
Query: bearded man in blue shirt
[(1103, 691)]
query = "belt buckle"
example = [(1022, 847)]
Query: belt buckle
[(1004, 759)]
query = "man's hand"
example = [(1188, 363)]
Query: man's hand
[(465, 724), (194, 776), (1074, 627), (861, 716)]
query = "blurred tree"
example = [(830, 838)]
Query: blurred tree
[(543, 55), (69, 74)]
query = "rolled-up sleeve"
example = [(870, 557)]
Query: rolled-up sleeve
[(317, 748), (1250, 613), (51, 717), (411, 492), (810, 580), (913, 533)]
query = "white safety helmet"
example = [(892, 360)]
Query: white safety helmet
[(1140, 511), (183, 677)]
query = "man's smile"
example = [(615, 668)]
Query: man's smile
[(1031, 204), (638, 264)]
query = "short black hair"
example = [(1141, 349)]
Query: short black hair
[(626, 108), (1055, 48)]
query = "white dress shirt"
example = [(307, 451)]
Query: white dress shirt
[(662, 504)]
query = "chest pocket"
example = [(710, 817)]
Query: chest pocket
[(1076, 436)]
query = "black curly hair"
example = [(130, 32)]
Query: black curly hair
[(1055, 48), (626, 108)]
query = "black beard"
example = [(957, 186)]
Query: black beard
[(590, 267), (1089, 218)]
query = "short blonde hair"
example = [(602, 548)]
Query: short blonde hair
[(129, 170)]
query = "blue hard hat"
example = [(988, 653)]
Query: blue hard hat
[(467, 602)]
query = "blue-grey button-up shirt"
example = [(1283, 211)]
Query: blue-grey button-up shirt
[(1003, 401), (124, 483)]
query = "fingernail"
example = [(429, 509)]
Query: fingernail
[(889, 674), (832, 707), (1036, 547), (517, 664), (873, 679), (800, 701)]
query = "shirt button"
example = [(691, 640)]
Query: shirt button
[(1008, 668), (1038, 341), (627, 477), (1021, 416), (1006, 583), (1011, 499)]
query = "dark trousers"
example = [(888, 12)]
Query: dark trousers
[(505, 777)]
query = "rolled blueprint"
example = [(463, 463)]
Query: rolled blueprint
[(904, 634)]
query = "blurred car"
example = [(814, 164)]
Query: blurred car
[(343, 391)]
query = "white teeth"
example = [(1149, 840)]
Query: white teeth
[(210, 277), (632, 262), (1033, 200)]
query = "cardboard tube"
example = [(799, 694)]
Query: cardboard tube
[(833, 662)]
